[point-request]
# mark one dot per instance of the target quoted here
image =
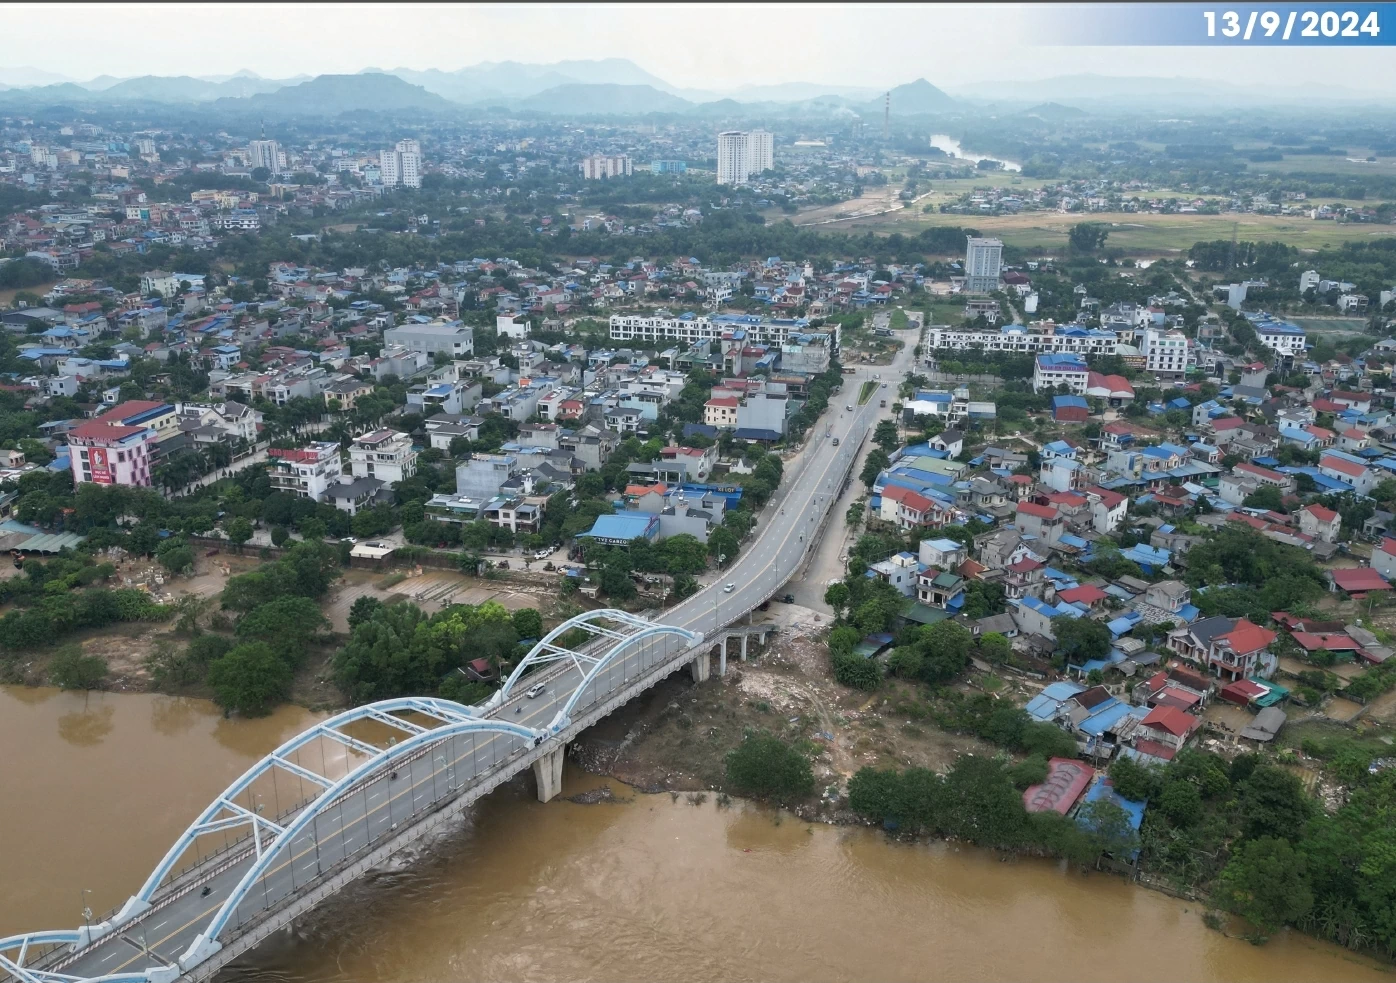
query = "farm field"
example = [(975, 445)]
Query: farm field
[(1142, 235)]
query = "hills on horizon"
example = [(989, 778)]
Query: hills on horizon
[(617, 86)]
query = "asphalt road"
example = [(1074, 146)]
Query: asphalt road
[(785, 531)]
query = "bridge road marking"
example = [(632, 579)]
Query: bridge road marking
[(290, 860)]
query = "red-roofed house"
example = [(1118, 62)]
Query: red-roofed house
[(1352, 440), (721, 411), (1168, 726), (1067, 778), (1265, 476), (1042, 521), (911, 510), (1361, 402), (1108, 509), (1243, 651), (1358, 582), (1319, 522), (1341, 469), (1088, 595), (1115, 389)]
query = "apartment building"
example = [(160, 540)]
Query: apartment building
[(599, 167), (402, 165), (1166, 352), (983, 264), (1028, 339), (742, 154), (696, 329), (1279, 336)]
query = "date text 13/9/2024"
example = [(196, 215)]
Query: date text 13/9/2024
[(1292, 24)]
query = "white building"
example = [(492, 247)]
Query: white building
[(402, 165), (741, 154), (1308, 280), (1279, 336), (383, 454), (305, 471), (1028, 339), (264, 153), (511, 325), (1052, 370), (693, 329), (983, 263), (159, 282), (601, 166), (1166, 352), (451, 337), (111, 453)]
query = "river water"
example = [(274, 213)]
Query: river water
[(646, 887), (951, 146)]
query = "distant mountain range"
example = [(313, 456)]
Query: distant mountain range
[(617, 86)]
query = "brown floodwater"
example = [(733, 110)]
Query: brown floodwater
[(646, 887)]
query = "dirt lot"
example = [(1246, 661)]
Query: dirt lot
[(431, 591), (677, 736)]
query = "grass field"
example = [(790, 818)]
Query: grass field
[(1332, 325), (1135, 234), (7, 297)]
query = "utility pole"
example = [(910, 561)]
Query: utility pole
[(887, 114)]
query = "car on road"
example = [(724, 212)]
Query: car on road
[(836, 442), (534, 692), (788, 599), (884, 385), (729, 588), (849, 407)]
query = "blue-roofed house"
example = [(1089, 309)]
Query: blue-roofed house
[(1034, 616), (1149, 558), (1046, 706), (621, 529)]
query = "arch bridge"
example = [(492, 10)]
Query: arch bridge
[(342, 796)]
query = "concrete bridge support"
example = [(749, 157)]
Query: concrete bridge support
[(722, 657), (744, 641), (548, 772), (700, 666)]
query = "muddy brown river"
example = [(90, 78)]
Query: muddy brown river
[(645, 887)]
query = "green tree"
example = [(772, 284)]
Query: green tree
[(279, 535), (177, 560), (1273, 803), (1181, 802), (71, 669), (1087, 237), (1080, 639), (239, 531), (286, 625), (250, 679), (981, 804), (837, 596), (875, 793), (1266, 882), (874, 464), (723, 546), (528, 623), (363, 609), (885, 435), (764, 766), (945, 648), (1110, 826), (995, 648)]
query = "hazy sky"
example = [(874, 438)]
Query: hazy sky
[(720, 46)]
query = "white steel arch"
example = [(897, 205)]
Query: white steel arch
[(205, 944), (622, 628)]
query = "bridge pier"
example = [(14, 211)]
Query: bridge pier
[(722, 657), (700, 666), (744, 640), (548, 772)]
